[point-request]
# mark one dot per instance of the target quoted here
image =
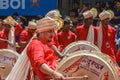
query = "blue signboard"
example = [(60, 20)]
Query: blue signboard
[(26, 7)]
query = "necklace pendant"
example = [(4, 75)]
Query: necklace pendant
[(107, 45)]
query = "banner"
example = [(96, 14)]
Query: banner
[(26, 7)]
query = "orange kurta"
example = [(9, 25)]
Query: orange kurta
[(39, 53), (82, 33), (108, 41)]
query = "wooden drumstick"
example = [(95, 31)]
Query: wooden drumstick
[(7, 41), (85, 77), (4, 40)]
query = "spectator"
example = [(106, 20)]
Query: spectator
[(74, 25), (15, 16), (23, 21), (116, 18), (108, 6), (85, 7), (76, 7), (73, 15)]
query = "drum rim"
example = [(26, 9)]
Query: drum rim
[(15, 55), (64, 52), (9, 50), (110, 64)]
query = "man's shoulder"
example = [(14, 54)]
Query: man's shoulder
[(95, 27), (111, 27), (35, 43), (25, 31), (79, 27), (72, 33)]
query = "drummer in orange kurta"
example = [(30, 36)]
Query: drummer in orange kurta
[(106, 35), (41, 56), (87, 31), (26, 35), (66, 36), (5, 33)]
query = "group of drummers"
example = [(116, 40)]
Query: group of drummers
[(53, 35)]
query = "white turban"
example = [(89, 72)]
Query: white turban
[(9, 20), (104, 15), (88, 14), (45, 24), (32, 25)]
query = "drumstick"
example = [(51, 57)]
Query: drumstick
[(7, 41), (76, 78), (4, 39)]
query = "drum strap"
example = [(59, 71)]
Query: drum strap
[(90, 36), (21, 67), (11, 39), (100, 36)]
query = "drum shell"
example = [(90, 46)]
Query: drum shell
[(7, 60), (91, 63), (79, 45)]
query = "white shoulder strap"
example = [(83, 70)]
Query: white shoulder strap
[(90, 36), (21, 67)]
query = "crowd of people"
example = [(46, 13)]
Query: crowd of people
[(45, 49)]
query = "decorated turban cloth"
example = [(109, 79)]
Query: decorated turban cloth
[(9, 21), (104, 15), (32, 25), (46, 24), (88, 14)]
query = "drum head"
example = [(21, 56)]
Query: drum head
[(95, 65), (80, 45), (7, 61)]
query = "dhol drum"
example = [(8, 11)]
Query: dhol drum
[(93, 64), (79, 45), (7, 61)]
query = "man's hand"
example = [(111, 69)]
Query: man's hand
[(47, 70), (57, 76)]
